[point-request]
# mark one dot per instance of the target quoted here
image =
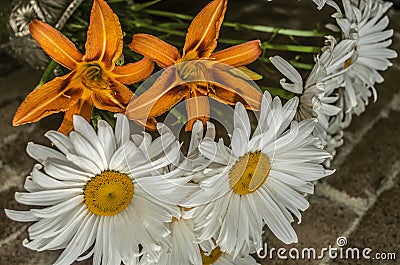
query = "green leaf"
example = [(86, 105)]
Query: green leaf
[(47, 73)]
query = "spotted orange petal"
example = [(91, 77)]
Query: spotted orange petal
[(152, 47), (197, 108), (83, 107), (113, 99), (52, 97), (159, 98), (55, 44), (133, 72), (203, 32), (104, 36), (230, 89), (239, 55)]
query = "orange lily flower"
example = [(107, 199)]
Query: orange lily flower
[(94, 79), (201, 40)]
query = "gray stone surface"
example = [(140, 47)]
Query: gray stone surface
[(379, 230), (321, 224), (369, 162)]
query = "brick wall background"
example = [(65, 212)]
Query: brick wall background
[(360, 201)]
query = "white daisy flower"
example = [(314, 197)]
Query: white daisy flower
[(332, 143), (20, 18), (187, 251), (101, 195), (366, 23), (321, 3), (317, 99), (261, 180), (363, 93), (343, 119)]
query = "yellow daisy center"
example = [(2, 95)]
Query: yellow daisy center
[(212, 258), (249, 172), (108, 193)]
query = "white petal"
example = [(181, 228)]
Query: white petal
[(121, 129), (48, 197), (42, 153), (84, 163), (65, 170), (213, 152), (61, 141), (79, 243), (196, 136), (59, 208), (290, 72), (21, 216), (241, 119), (82, 127), (87, 150), (107, 139), (239, 142)]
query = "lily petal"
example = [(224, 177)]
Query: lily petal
[(203, 32), (249, 73), (133, 72), (159, 98), (52, 97), (113, 99), (197, 108), (55, 44), (157, 50), (83, 108), (239, 55), (230, 89), (149, 124), (104, 36)]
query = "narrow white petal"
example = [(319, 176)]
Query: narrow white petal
[(42, 153), (21, 216), (45, 198), (61, 141), (290, 72), (107, 139), (121, 129), (241, 119)]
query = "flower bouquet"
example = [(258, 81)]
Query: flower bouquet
[(174, 154)]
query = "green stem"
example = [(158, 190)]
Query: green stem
[(280, 92), (48, 72), (291, 48), (137, 7), (299, 65), (264, 45), (239, 26), (161, 29), (105, 115), (294, 62), (167, 14), (280, 31), (108, 117)]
